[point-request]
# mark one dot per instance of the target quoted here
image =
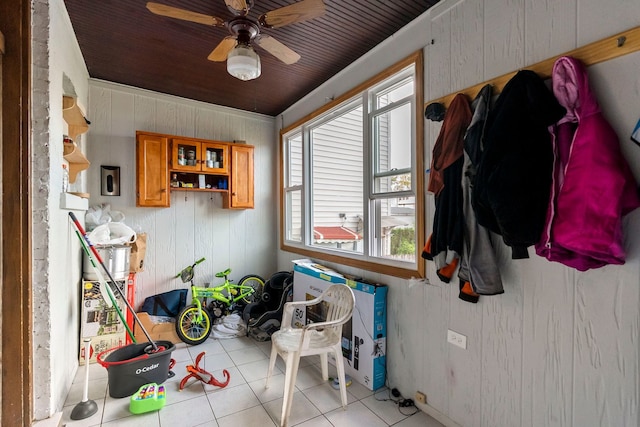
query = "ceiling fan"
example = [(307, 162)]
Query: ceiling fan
[(237, 49)]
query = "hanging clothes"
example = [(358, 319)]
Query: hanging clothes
[(478, 263), (592, 184), (511, 189), (444, 246)]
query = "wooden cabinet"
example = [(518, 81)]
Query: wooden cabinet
[(240, 195), (172, 163), (199, 156), (152, 183)]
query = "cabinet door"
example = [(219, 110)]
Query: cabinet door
[(241, 183), (186, 155), (215, 158), (152, 183)]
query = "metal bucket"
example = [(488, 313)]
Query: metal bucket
[(115, 258)]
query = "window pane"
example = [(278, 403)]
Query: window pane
[(392, 132), (337, 184), (388, 184), (294, 176), (394, 93), (293, 205), (396, 236)]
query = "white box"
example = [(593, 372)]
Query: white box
[(364, 337)]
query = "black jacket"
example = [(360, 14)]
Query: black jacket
[(511, 188)]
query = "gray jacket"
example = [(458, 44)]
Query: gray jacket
[(478, 264)]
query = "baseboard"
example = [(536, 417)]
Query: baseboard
[(437, 415), (53, 421)]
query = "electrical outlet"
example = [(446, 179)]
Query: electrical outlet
[(421, 397), (457, 339)]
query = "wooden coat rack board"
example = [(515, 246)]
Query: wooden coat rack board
[(593, 53)]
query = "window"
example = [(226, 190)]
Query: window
[(352, 180)]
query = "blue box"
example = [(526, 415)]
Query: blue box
[(365, 336)]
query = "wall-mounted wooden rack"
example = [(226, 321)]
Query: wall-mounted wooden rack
[(77, 161), (74, 117), (593, 53)]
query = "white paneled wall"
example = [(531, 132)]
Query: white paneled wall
[(195, 225), (560, 347)]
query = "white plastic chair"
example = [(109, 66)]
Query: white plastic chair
[(336, 307)]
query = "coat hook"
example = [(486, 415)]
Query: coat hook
[(621, 40)]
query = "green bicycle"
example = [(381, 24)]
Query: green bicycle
[(195, 321)]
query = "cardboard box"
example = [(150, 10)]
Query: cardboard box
[(101, 343), (364, 337), (100, 322), (165, 331)]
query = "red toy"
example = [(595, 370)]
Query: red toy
[(200, 374)]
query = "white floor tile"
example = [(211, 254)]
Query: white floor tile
[(254, 370), (187, 413), (231, 400), (326, 398), (420, 419), (388, 410), (356, 415), (256, 416), (247, 355), (97, 390), (237, 343), (301, 409), (320, 421), (275, 390), (210, 346), (93, 420), (173, 394), (150, 419), (308, 377)]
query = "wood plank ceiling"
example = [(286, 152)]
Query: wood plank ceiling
[(123, 42)]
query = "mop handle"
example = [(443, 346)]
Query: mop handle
[(124, 298), (107, 289)]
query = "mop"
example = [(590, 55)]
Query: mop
[(86, 407), (99, 258)]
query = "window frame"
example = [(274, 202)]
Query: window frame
[(366, 261)]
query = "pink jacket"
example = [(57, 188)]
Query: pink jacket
[(592, 186)]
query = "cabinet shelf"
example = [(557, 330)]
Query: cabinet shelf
[(77, 161), (73, 115), (208, 190)]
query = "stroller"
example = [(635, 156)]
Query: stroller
[(263, 317)]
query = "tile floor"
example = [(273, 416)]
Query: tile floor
[(244, 402)]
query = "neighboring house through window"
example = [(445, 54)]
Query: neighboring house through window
[(352, 176)]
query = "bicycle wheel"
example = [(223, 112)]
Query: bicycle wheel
[(189, 329), (257, 283)]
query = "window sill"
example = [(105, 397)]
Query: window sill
[(389, 270)]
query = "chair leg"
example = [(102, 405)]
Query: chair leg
[(341, 375), (272, 364), (324, 363), (291, 373)]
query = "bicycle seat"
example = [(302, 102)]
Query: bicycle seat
[(224, 273)]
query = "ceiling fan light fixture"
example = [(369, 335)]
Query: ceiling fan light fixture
[(244, 63)]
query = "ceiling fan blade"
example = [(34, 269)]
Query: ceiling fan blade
[(297, 12), (219, 54), (277, 49), (185, 15), (239, 7)]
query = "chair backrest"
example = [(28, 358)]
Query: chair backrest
[(338, 300)]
